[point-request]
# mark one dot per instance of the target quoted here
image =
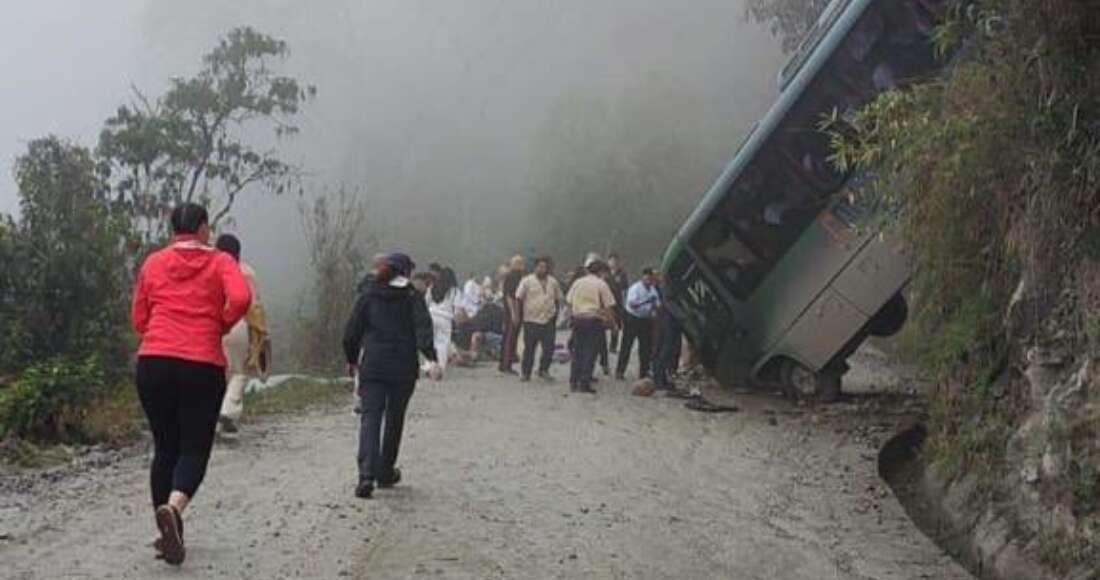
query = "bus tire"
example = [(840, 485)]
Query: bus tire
[(802, 383), (890, 319)]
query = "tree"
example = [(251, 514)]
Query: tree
[(65, 262), (340, 245), (189, 145), (789, 20)]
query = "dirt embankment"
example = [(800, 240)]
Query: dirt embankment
[(508, 480)]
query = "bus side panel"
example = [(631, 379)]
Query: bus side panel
[(823, 330), (874, 277), (798, 279)]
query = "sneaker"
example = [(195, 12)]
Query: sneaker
[(171, 535), (392, 481), (364, 490)]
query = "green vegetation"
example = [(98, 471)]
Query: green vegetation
[(789, 20), (295, 395), (86, 218), (993, 177), (187, 145)]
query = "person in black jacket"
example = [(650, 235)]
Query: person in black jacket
[(389, 326)]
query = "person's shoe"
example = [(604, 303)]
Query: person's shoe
[(546, 376), (392, 481), (508, 372), (228, 425), (525, 379), (587, 389), (171, 546), (364, 490)]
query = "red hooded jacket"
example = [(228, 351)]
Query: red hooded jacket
[(187, 297)]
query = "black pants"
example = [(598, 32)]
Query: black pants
[(670, 339), (640, 329), (378, 454), (588, 335), (602, 349), (182, 400), (534, 336)]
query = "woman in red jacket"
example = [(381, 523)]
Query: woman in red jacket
[(187, 297)]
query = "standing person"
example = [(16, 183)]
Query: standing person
[(590, 300), (612, 325), (669, 341), (443, 300), (188, 295), (541, 297), (642, 302), (244, 345), (619, 282), (389, 325), (513, 313)]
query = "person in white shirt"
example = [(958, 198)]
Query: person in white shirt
[(443, 302), (643, 301), (471, 297)]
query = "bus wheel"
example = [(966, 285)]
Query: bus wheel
[(799, 381), (891, 317), (803, 383)]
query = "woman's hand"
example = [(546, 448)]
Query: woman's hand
[(435, 372)]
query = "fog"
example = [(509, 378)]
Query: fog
[(432, 109)]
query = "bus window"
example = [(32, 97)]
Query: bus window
[(863, 38), (740, 268), (808, 152)]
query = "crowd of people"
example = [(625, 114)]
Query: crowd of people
[(514, 315), (197, 312)]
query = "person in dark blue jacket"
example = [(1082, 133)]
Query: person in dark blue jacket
[(388, 328)]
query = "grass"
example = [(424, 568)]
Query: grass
[(294, 396), (117, 420)]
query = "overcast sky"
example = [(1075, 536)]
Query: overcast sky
[(419, 101)]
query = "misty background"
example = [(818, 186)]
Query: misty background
[(473, 129)]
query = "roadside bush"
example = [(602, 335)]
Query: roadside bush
[(49, 399), (993, 176), (65, 263)]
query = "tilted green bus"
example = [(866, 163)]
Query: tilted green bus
[(777, 277)]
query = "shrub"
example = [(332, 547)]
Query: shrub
[(48, 400)]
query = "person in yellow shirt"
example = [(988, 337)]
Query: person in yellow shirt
[(592, 304), (541, 297)]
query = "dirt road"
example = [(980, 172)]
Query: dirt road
[(503, 480)]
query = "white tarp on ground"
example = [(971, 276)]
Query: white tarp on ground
[(256, 385)]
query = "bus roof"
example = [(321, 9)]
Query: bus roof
[(842, 15)]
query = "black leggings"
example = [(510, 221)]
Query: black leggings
[(182, 400)]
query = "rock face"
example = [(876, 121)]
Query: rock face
[(1050, 467)]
